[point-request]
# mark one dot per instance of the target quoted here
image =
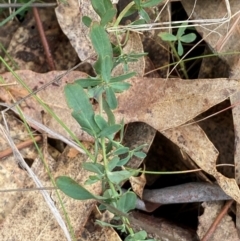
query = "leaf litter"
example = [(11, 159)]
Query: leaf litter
[(198, 97)]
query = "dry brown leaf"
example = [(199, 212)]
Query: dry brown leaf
[(31, 218), (164, 105), (26, 49), (69, 15), (138, 184), (225, 230), (222, 37)]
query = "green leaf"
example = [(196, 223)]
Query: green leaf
[(113, 163), (73, 189), (188, 38), (109, 131), (181, 30), (144, 15), (111, 98), (139, 236), (103, 47), (120, 86), (83, 112), (150, 3), (85, 83), (110, 115), (124, 161), (122, 77), (93, 179), (138, 3), (108, 16), (119, 176), (121, 150), (94, 167), (138, 22), (87, 21), (101, 122), (167, 37), (101, 6), (180, 48), (127, 202), (140, 154)]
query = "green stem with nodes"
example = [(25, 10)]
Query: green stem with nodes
[(182, 65)]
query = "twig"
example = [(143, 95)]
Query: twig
[(19, 146), (218, 219), (44, 40)]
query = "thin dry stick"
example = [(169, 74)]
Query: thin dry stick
[(218, 219), (19, 146), (44, 40)]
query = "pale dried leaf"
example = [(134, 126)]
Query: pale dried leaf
[(69, 15), (225, 230), (31, 219)]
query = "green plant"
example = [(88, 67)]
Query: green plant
[(180, 38), (102, 125)]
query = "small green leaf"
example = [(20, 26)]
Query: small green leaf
[(181, 30), (113, 163), (138, 3), (87, 21), (108, 16), (119, 176), (110, 115), (121, 150), (85, 83), (120, 87), (101, 6), (109, 131), (140, 154), (122, 77), (144, 15), (150, 3), (127, 202), (73, 189), (180, 48), (103, 47), (111, 98), (94, 167), (167, 37), (77, 100), (101, 122), (124, 161), (139, 236), (188, 38)]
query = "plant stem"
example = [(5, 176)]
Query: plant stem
[(182, 65)]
